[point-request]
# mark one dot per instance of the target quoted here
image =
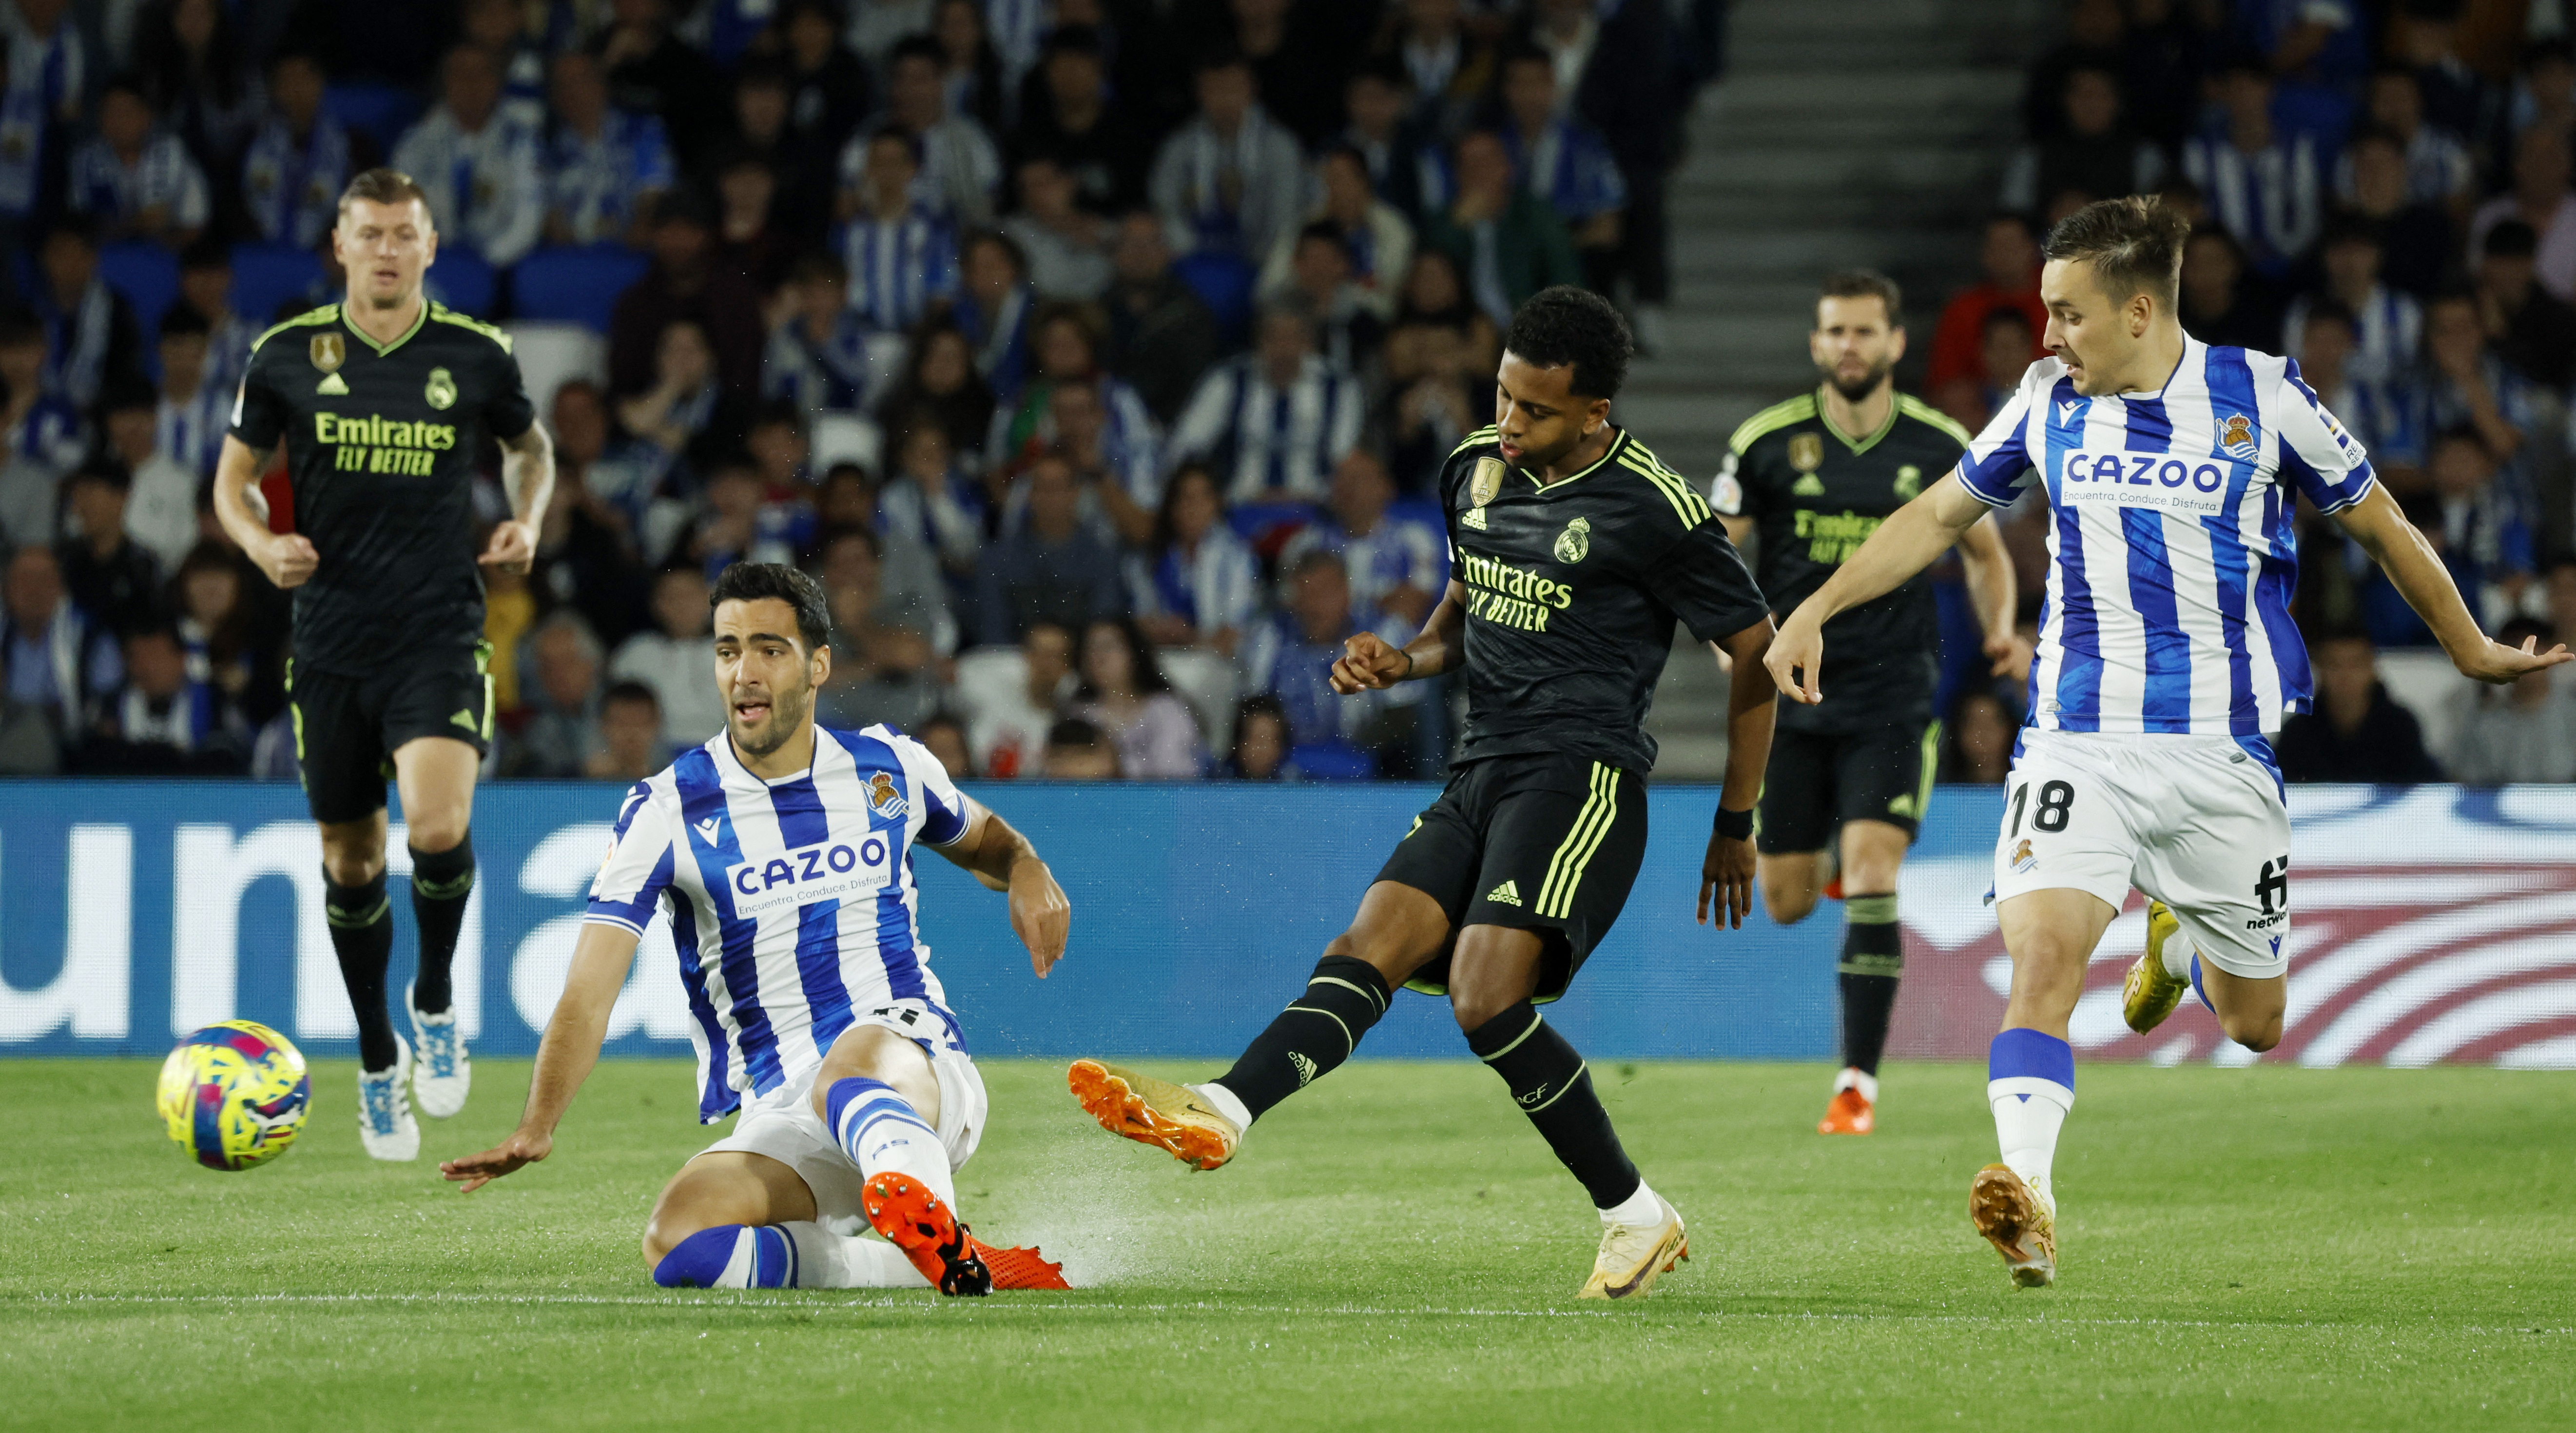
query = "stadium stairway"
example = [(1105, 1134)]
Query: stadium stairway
[(1846, 132)]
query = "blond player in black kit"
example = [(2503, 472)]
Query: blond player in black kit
[(1576, 553), (385, 403)]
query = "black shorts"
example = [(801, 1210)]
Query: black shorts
[(1819, 780), (347, 728), (1541, 842)]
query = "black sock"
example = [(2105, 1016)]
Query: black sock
[(1313, 1035), (362, 934), (440, 883), (1873, 960), (1550, 1084)]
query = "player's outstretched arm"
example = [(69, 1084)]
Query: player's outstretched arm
[(1004, 860), (287, 558), (1992, 590), (1368, 664), (1904, 545), (600, 959), (2419, 576), (528, 476), (1751, 704)]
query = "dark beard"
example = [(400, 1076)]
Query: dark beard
[(1867, 385), (784, 717)]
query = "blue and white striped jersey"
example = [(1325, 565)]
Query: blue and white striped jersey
[(2171, 554), (792, 902)]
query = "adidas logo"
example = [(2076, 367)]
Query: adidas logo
[(465, 718), (1808, 486), (1506, 894), (331, 386), (1475, 518), (1305, 1069)]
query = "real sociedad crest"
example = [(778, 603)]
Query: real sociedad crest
[(2236, 438), (884, 799)]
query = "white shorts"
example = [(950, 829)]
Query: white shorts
[(2196, 822), (783, 1125)]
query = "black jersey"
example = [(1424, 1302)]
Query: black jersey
[(1815, 496), (1572, 591), (382, 444)]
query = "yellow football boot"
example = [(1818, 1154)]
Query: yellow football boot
[(2151, 992), (1170, 1117), (1631, 1259), (2021, 1226)]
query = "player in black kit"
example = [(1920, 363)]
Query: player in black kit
[(1808, 480), (1576, 551), (385, 403)]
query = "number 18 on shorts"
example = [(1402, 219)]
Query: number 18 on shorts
[(2196, 822)]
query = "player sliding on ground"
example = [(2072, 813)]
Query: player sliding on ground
[(1575, 551), (783, 854), (2166, 660)]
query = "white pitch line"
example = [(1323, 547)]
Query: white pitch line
[(923, 1303)]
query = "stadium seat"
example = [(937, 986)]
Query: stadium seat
[(380, 111), (1268, 526), (461, 280), (845, 438), (1209, 682), (1224, 283), (1332, 761), (552, 354), (576, 284), (269, 277), (148, 276)]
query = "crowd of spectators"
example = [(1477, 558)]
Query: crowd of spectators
[(2380, 191), (1098, 355)]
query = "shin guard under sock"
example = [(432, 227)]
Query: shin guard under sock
[(362, 936), (1550, 1084), (441, 881), (1317, 1032), (1873, 961)]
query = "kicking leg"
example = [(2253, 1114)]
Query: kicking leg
[(1873, 961), (2030, 1074), (1492, 976), (435, 775), (1398, 930)]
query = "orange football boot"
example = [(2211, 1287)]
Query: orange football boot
[(2017, 1222), (1172, 1118), (1019, 1268), (914, 1220), (1850, 1113)]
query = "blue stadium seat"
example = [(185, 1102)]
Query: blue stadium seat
[(1224, 283), (148, 276), (460, 279), (268, 277), (379, 110), (1332, 761), (572, 284)]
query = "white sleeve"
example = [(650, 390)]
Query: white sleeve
[(2319, 456), (941, 808), (642, 855), (1997, 465)]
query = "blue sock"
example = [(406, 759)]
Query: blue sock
[(2030, 1085), (731, 1256), (2195, 985), (882, 1133)]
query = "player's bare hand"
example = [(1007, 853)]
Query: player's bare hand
[(1368, 664), (476, 1170), (1727, 873), (1040, 915), (288, 558), (2009, 653), (2500, 664), (1797, 650), (512, 548)]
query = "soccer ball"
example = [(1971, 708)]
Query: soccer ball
[(235, 1094)]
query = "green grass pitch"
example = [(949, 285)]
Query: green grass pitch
[(1395, 1248)]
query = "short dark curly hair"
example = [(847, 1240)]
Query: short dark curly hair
[(754, 581), (1564, 326)]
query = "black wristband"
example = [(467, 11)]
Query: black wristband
[(1735, 825), (1408, 664)]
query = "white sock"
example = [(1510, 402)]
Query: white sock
[(2029, 1111), (1641, 1210), (882, 1133), (1852, 1079), (1227, 1103), (825, 1260), (2175, 955)]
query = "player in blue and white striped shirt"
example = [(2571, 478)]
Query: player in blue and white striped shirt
[(2166, 660), (782, 854)]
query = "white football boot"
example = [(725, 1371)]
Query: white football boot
[(440, 1073), (385, 1125), (1631, 1258)]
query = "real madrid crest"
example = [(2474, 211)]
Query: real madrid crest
[(1485, 483), (441, 392), (1574, 542), (1909, 481), (328, 351), (1806, 452)]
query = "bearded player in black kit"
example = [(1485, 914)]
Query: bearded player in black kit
[(1576, 551), (384, 403)]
